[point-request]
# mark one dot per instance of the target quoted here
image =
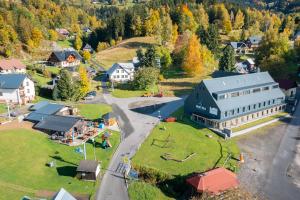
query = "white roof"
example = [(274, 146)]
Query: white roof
[(63, 195), (251, 61), (125, 66)]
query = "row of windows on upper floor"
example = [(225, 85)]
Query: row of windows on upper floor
[(244, 92), (253, 107), (122, 70)]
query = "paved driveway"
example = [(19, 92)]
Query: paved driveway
[(135, 129), (272, 161)]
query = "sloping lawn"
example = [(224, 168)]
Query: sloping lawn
[(93, 111), (145, 191), (24, 155), (123, 52)]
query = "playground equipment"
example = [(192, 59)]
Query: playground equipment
[(105, 140), (242, 158), (109, 119)]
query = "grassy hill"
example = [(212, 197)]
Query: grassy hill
[(123, 52)]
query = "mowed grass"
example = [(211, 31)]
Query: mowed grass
[(93, 111), (65, 43), (260, 121), (123, 52), (41, 79), (3, 108), (185, 138), (24, 155), (145, 191)]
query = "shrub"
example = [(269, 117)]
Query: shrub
[(145, 77), (152, 175)]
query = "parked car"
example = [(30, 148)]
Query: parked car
[(89, 97), (91, 93)]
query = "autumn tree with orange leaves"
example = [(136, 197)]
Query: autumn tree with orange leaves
[(193, 61)]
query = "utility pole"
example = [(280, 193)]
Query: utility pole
[(8, 111)]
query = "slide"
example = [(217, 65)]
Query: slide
[(108, 143)]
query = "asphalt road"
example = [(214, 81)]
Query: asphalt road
[(279, 185), (135, 129)]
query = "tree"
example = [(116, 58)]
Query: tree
[(210, 37), (174, 33), (77, 43), (239, 20), (201, 17), (85, 84), (149, 57), (187, 21), (53, 35), (65, 86), (225, 18), (152, 24), (272, 43), (137, 26), (165, 57), (227, 61), (166, 32), (101, 46), (36, 36), (145, 78), (193, 61), (86, 55)]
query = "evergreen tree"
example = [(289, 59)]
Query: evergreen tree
[(210, 37), (65, 86), (227, 61)]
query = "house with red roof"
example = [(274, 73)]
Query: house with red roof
[(8, 66), (214, 181), (288, 87)]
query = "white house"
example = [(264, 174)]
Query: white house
[(288, 87), (121, 72), (16, 88), (8, 66)]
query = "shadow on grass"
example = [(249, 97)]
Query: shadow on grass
[(59, 158), (134, 45), (66, 171)]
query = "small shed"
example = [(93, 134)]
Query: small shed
[(214, 181), (88, 170), (109, 119)]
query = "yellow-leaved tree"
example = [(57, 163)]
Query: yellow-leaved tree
[(193, 61), (85, 84)]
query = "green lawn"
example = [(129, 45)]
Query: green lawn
[(24, 154), (40, 79), (93, 111), (53, 70), (186, 138), (125, 93), (145, 191), (260, 121), (65, 43), (2, 108)]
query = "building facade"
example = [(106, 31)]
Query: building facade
[(65, 58), (228, 102), (16, 88), (8, 66), (121, 72)]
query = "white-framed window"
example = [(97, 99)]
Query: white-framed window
[(27, 83), (28, 91), (1, 94)]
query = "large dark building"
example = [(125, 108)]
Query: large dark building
[(228, 102)]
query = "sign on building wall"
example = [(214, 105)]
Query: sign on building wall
[(200, 107), (213, 111)]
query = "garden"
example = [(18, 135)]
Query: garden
[(177, 150)]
